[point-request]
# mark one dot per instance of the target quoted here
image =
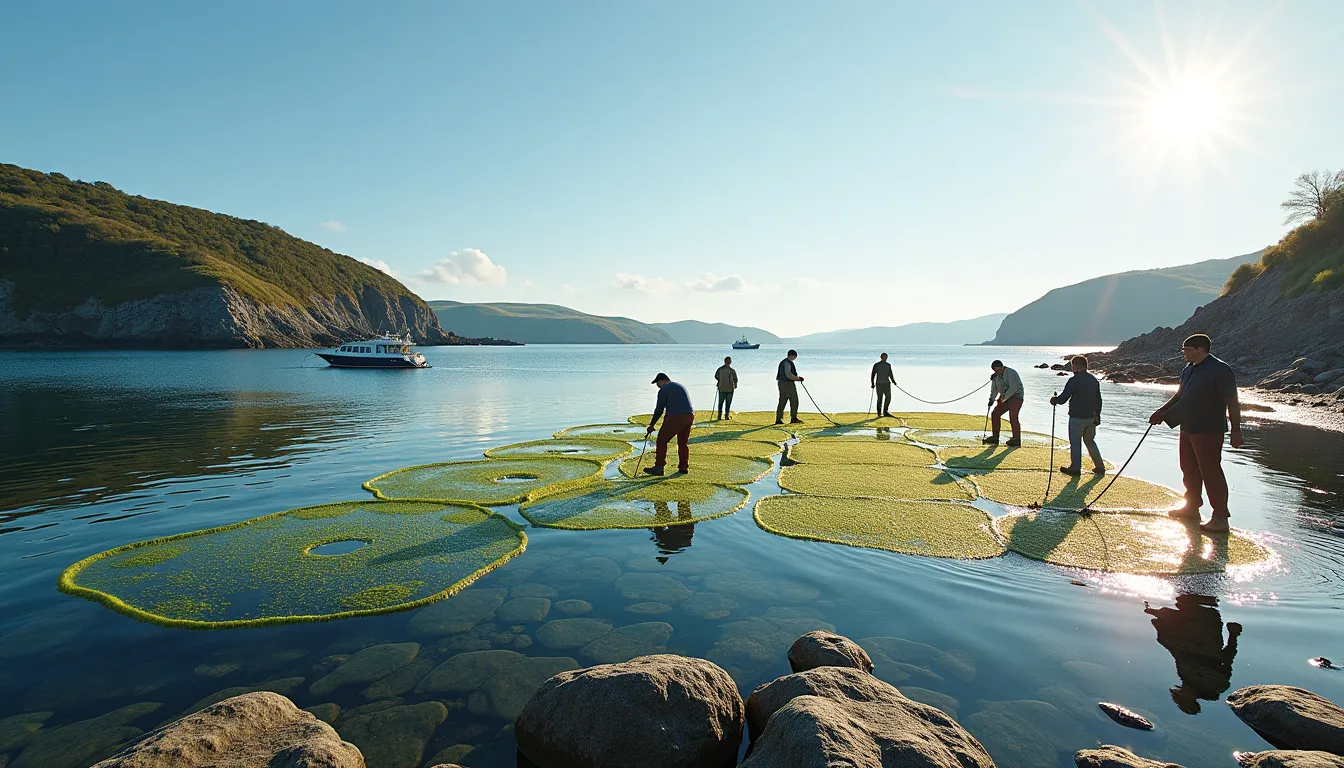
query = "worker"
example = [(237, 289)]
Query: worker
[(881, 380), (1006, 388), (1083, 394), (787, 378), (725, 379), (673, 398)]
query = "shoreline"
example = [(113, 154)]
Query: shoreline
[(1318, 411)]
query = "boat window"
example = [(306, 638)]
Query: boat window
[(345, 349)]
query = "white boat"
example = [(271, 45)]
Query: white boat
[(385, 351), (742, 343)]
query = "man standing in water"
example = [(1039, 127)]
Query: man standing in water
[(1203, 405), (1006, 387), (787, 377), (673, 398), (1083, 394), (881, 380), (725, 378)]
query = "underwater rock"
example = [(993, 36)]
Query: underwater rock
[(1291, 718), (400, 682), (458, 613), (709, 605), (283, 687), (572, 607), (933, 698), (86, 741), (479, 638), (494, 754), (755, 587), (467, 671), (521, 610), (47, 629), (506, 692), (367, 666), (841, 716), (522, 641), (917, 659), (648, 609), (272, 661), (1027, 733), (395, 737), (327, 712), (596, 569), (827, 649), (252, 729), (328, 663), (533, 590), (625, 643), (748, 647), (19, 730), (1111, 756), (672, 711), (448, 756), (571, 633), (651, 586), (1092, 678), (216, 670), (1289, 758)]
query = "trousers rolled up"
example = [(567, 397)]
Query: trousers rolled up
[(1011, 406), (1083, 432), (725, 403), (788, 393), (1202, 470), (883, 398), (678, 426)]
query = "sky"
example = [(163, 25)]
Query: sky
[(798, 167)]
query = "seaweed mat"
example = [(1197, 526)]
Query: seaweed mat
[(931, 528)]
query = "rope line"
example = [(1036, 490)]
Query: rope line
[(818, 407), (1087, 508), (943, 402), (1051, 466)]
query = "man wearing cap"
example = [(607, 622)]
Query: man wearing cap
[(1006, 387), (725, 381), (881, 380), (1203, 405), (673, 398), (787, 377)]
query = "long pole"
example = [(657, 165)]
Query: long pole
[(640, 463), (871, 392), (1050, 479)]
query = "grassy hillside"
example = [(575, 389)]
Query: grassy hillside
[(1309, 258), (972, 331), (543, 324), (63, 242), (1110, 309), (696, 332)]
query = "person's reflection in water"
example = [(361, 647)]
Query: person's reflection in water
[(884, 433), (1193, 633), (672, 539)]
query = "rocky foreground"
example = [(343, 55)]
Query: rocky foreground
[(666, 711)]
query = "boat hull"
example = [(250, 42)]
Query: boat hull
[(353, 361), (746, 346)]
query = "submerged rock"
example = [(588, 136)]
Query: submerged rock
[(505, 693), (448, 756), (625, 643), (573, 607), (671, 711), (367, 666), (748, 647), (819, 648), (521, 610), (648, 609), (327, 712), (252, 729), (1027, 733), (400, 682), (709, 605), (467, 671), (598, 569), (1291, 718), (533, 590), (84, 742), (896, 659), (283, 686), (395, 737), (842, 716), (458, 613), (571, 633), (1289, 758), (752, 586), (933, 698), (652, 587), (1110, 756), (19, 730)]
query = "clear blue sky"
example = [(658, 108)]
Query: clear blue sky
[(797, 166)]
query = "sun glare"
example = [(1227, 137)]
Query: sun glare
[(1188, 109)]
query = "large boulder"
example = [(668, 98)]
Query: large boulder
[(1289, 758), (842, 716), (260, 728), (1291, 718), (661, 710), (1110, 756), (819, 648)]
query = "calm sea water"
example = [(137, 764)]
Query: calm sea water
[(104, 448)]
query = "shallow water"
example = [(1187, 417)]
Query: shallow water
[(106, 448)]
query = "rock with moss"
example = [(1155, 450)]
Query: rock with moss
[(86, 741), (571, 633), (398, 683), (395, 737), (252, 729), (672, 711), (651, 587), (19, 730), (283, 686), (625, 643), (367, 666), (1111, 756), (448, 756), (522, 610), (648, 608), (572, 607), (505, 693), (709, 605), (1289, 758), (458, 613), (1291, 718), (533, 590), (819, 648), (466, 672)]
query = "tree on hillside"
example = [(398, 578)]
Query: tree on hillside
[(1312, 194)]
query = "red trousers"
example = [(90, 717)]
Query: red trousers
[(678, 426), (1011, 406), (1202, 465)]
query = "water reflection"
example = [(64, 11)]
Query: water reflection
[(1193, 633), (672, 539)]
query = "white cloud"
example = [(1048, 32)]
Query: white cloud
[(468, 266), (809, 283), (641, 284), (334, 226), (714, 284), (381, 266)]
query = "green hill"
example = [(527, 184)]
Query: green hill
[(972, 331), (1112, 308), (87, 264), (543, 324), (696, 332)]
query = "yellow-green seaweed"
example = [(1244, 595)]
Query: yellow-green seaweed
[(750, 449), (992, 457), (1021, 487), (491, 482), (259, 572), (842, 480), (625, 431), (635, 504), (932, 528), (142, 559), (938, 420), (855, 450), (706, 467), (975, 437), (1125, 543), (593, 448), (713, 433)]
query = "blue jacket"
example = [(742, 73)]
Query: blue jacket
[(673, 398), (1083, 394)]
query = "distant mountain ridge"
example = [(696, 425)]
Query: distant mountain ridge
[(1112, 308), (543, 324), (696, 332), (972, 331)]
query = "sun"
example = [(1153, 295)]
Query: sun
[(1187, 109)]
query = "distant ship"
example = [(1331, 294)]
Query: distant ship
[(742, 343), (386, 351)]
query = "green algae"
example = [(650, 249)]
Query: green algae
[(1026, 487), (1126, 543), (634, 504), (748, 449), (938, 420), (258, 572), (935, 529), (858, 480), (856, 450), (154, 557), (975, 437), (992, 457), (706, 467), (574, 447), (626, 431), (491, 482)]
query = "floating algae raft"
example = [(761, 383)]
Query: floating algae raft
[(863, 482)]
